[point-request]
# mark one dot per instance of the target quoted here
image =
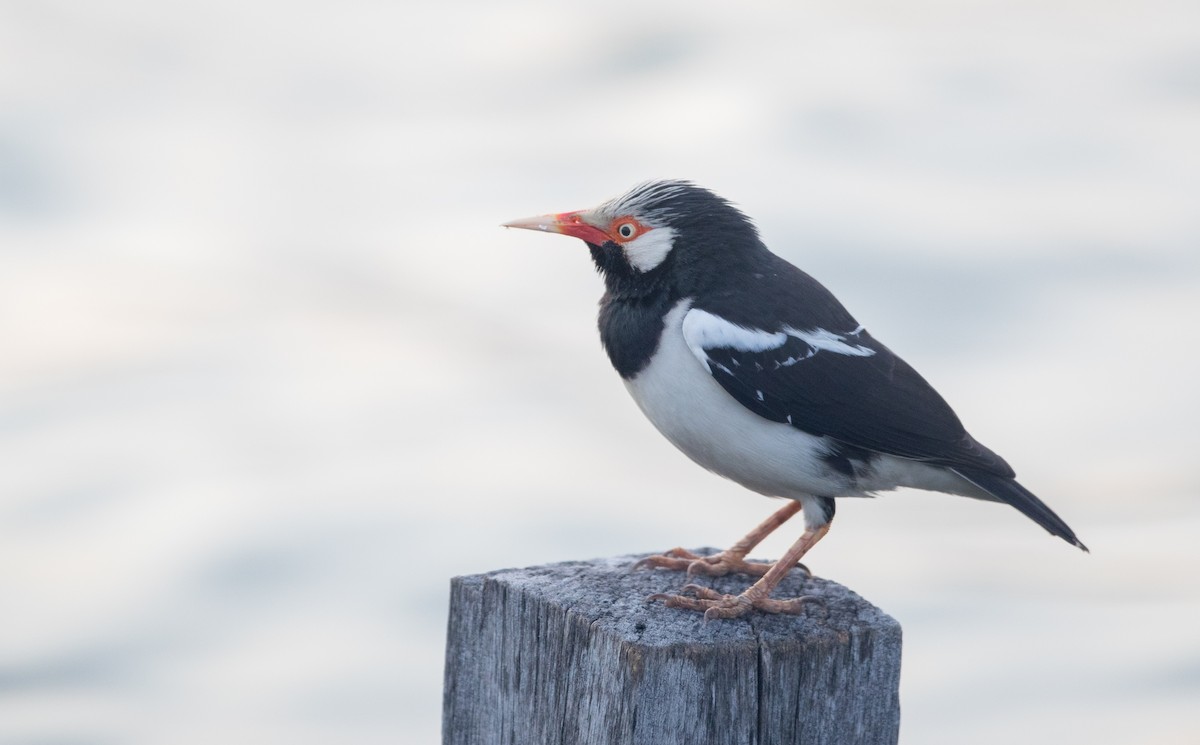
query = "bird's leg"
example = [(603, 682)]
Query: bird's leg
[(718, 605), (731, 560)]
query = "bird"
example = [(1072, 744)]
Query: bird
[(759, 374)]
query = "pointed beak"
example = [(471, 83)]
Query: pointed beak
[(567, 223)]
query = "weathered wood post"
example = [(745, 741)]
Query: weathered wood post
[(572, 654)]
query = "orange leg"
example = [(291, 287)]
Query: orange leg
[(731, 560), (718, 605)]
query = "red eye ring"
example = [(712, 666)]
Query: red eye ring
[(626, 229)]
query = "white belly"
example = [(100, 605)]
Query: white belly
[(695, 413)]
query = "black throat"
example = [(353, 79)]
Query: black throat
[(632, 309)]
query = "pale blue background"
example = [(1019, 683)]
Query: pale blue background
[(270, 373)]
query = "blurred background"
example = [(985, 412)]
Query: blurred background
[(270, 374)]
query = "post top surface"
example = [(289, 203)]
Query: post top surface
[(612, 598)]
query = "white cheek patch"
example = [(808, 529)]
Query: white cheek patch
[(648, 251)]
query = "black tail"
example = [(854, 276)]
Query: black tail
[(1009, 491)]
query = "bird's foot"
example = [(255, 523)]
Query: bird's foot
[(719, 605), (716, 565)]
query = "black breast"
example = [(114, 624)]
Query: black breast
[(630, 328)]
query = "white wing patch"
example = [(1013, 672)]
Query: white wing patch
[(827, 341), (649, 249), (703, 330)]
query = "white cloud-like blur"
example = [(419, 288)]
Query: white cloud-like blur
[(270, 373)]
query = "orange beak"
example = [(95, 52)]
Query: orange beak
[(566, 223)]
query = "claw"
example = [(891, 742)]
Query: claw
[(701, 591)]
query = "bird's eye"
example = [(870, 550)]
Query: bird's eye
[(626, 230)]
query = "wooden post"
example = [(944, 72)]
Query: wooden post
[(573, 654)]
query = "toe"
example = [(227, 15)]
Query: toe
[(707, 593), (675, 559), (729, 606)]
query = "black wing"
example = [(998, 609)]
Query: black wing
[(840, 383)]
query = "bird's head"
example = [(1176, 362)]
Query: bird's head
[(636, 237)]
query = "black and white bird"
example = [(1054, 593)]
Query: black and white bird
[(756, 372)]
